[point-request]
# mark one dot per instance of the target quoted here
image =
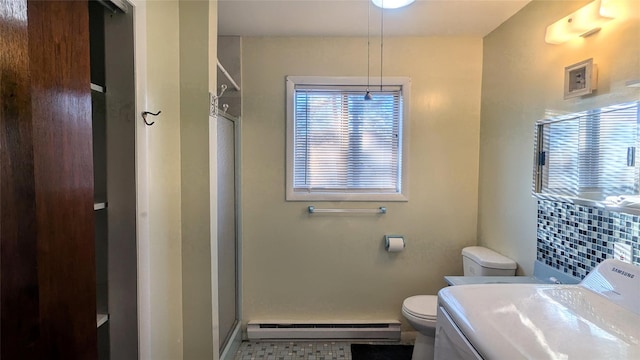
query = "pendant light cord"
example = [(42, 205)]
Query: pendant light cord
[(381, 38), (368, 44)]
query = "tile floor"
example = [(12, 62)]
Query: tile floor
[(299, 350)]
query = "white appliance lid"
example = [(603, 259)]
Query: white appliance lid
[(617, 281), (488, 258), (509, 321), (424, 306)]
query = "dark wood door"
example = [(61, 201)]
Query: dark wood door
[(47, 255)]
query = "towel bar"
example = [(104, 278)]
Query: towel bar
[(380, 210)]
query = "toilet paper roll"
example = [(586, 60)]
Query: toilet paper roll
[(394, 244)]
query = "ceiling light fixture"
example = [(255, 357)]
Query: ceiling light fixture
[(391, 4)]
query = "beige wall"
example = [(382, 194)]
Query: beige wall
[(199, 275), (302, 267), (179, 279), (522, 80), (164, 215)]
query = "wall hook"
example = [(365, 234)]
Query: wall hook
[(144, 117), (223, 88)]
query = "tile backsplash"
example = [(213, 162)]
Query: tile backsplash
[(575, 238)]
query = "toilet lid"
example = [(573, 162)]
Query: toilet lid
[(422, 306)]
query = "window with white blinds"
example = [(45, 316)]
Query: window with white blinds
[(341, 146), (589, 155)]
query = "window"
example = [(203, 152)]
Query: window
[(342, 147), (589, 155)]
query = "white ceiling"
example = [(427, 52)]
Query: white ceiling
[(349, 17)]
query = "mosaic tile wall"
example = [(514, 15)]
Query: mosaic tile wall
[(575, 238)]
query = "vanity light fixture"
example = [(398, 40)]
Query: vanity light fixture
[(581, 23), (391, 4), (635, 83)]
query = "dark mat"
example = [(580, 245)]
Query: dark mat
[(381, 352)]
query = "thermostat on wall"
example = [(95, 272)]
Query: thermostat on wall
[(580, 79)]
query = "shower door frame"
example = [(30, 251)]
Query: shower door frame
[(229, 346)]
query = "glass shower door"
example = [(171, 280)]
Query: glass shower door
[(227, 239)]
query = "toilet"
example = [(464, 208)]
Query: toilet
[(420, 310)]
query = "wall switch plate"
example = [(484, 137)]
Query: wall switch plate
[(623, 252)]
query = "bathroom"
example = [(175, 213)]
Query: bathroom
[(473, 107), (470, 135)]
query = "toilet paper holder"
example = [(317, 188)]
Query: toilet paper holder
[(394, 243)]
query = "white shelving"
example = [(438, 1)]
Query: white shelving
[(99, 206), (98, 88), (101, 319)]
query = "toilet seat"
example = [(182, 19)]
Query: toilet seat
[(423, 307)]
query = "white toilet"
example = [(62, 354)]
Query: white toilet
[(420, 310)]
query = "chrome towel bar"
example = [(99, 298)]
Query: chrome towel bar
[(380, 210)]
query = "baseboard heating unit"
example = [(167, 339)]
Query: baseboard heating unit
[(356, 330)]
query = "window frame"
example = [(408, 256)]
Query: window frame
[(291, 82), (587, 153)]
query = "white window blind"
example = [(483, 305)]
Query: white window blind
[(344, 147), (590, 154)]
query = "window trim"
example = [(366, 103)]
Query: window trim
[(291, 82), (580, 194)]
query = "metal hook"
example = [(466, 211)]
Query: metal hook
[(144, 117), (223, 88)]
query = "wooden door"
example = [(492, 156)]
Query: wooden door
[(47, 258)]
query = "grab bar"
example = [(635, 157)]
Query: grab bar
[(380, 210)]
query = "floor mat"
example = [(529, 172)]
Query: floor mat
[(381, 352)]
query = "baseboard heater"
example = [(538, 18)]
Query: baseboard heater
[(357, 330)]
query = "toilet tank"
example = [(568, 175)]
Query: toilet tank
[(480, 261)]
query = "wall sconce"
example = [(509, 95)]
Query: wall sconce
[(581, 23)]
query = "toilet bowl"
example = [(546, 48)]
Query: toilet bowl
[(421, 310)]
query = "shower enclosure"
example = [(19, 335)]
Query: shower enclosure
[(228, 313)]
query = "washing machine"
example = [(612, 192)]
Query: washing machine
[(599, 318)]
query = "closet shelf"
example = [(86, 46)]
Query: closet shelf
[(98, 88), (99, 206), (101, 319)]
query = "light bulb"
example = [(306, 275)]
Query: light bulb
[(391, 4)]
